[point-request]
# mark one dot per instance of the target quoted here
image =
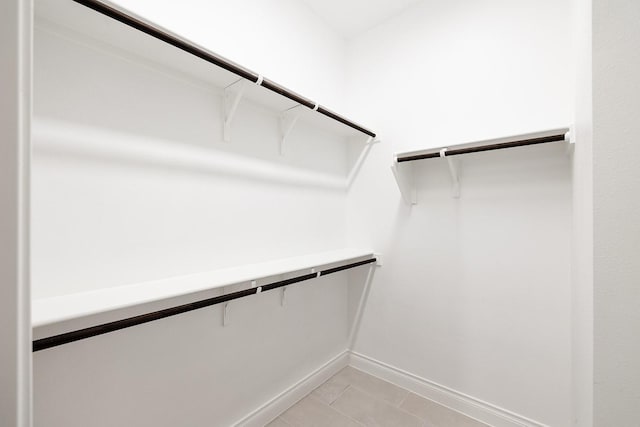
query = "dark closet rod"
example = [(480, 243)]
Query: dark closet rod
[(212, 58), (80, 334), (488, 147)]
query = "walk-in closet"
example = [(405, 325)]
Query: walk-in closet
[(308, 213)]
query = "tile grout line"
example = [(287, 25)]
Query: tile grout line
[(379, 399), (374, 398), (483, 424), (283, 421), (387, 382), (404, 399), (340, 394), (406, 396), (342, 413)]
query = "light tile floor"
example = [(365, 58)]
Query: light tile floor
[(352, 398)]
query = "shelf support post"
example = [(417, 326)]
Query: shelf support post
[(570, 139), (232, 96), (355, 169), (225, 314), (454, 168), (404, 178), (288, 119)]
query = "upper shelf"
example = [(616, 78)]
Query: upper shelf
[(114, 26), (404, 175), (541, 137), (53, 310)]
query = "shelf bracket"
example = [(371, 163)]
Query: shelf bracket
[(225, 314), (288, 119), (404, 178), (378, 257), (283, 296), (570, 139), (232, 96), (454, 171)]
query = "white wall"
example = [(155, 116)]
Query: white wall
[(132, 182), (616, 184), (15, 107), (451, 59), (475, 293), (281, 39)]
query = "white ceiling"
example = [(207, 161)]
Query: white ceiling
[(351, 17)]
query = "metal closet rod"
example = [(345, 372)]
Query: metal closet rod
[(80, 334), (488, 147), (212, 58)]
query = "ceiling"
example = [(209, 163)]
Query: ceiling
[(352, 17)]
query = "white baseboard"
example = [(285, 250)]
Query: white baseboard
[(475, 408), (470, 406), (283, 401)]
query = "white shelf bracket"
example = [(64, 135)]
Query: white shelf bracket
[(403, 173), (454, 171), (283, 296), (225, 314), (570, 138), (232, 96), (378, 257), (288, 119)]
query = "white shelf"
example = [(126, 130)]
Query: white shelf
[(50, 311), (80, 22), (487, 142), (402, 166)]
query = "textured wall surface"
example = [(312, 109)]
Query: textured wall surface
[(616, 185)]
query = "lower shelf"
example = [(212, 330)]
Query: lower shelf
[(86, 314)]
